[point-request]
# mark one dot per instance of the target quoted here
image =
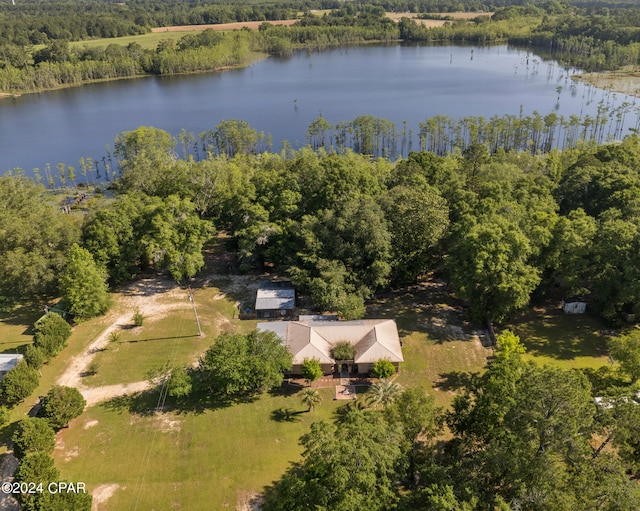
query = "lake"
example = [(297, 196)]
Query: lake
[(281, 96)]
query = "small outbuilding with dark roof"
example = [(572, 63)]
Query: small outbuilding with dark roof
[(275, 299)]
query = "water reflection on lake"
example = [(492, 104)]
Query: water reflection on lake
[(281, 96)]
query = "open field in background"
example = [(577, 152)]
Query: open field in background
[(251, 25), (148, 41), (151, 40), (397, 16)]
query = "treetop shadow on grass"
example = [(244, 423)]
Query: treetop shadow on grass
[(148, 402), (456, 380), (21, 315), (22, 348), (428, 307), (285, 390), (554, 334), (283, 414), (148, 285)]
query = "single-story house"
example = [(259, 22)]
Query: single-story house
[(275, 299), (373, 340), (8, 361)]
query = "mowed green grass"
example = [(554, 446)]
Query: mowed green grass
[(565, 340), (442, 368), (83, 335), (190, 460), (16, 327), (435, 358)]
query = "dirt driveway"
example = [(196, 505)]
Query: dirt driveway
[(154, 298)]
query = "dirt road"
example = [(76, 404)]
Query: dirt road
[(154, 298)]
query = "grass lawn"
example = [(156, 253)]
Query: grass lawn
[(440, 352), (81, 337), (191, 460), (565, 340), (443, 368), (171, 338), (16, 327)]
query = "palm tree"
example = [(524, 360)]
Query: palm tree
[(383, 393), (351, 409), (311, 398)]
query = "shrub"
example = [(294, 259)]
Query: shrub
[(33, 435), (383, 369), (18, 383), (61, 405), (35, 357), (311, 369), (51, 334), (138, 318), (179, 384), (344, 351), (37, 467), (241, 365), (5, 416)]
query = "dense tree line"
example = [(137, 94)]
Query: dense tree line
[(508, 225), (504, 225), (38, 22)]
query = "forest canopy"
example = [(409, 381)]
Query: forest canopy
[(501, 226)]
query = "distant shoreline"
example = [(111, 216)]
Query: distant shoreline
[(622, 81)]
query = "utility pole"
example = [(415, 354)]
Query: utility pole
[(195, 311)]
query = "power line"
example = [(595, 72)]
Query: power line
[(195, 311)]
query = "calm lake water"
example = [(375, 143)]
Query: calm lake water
[(281, 96)]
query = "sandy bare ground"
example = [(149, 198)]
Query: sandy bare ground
[(103, 493), (154, 298), (252, 25), (625, 81)]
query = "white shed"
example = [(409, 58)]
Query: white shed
[(8, 362), (574, 306)]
